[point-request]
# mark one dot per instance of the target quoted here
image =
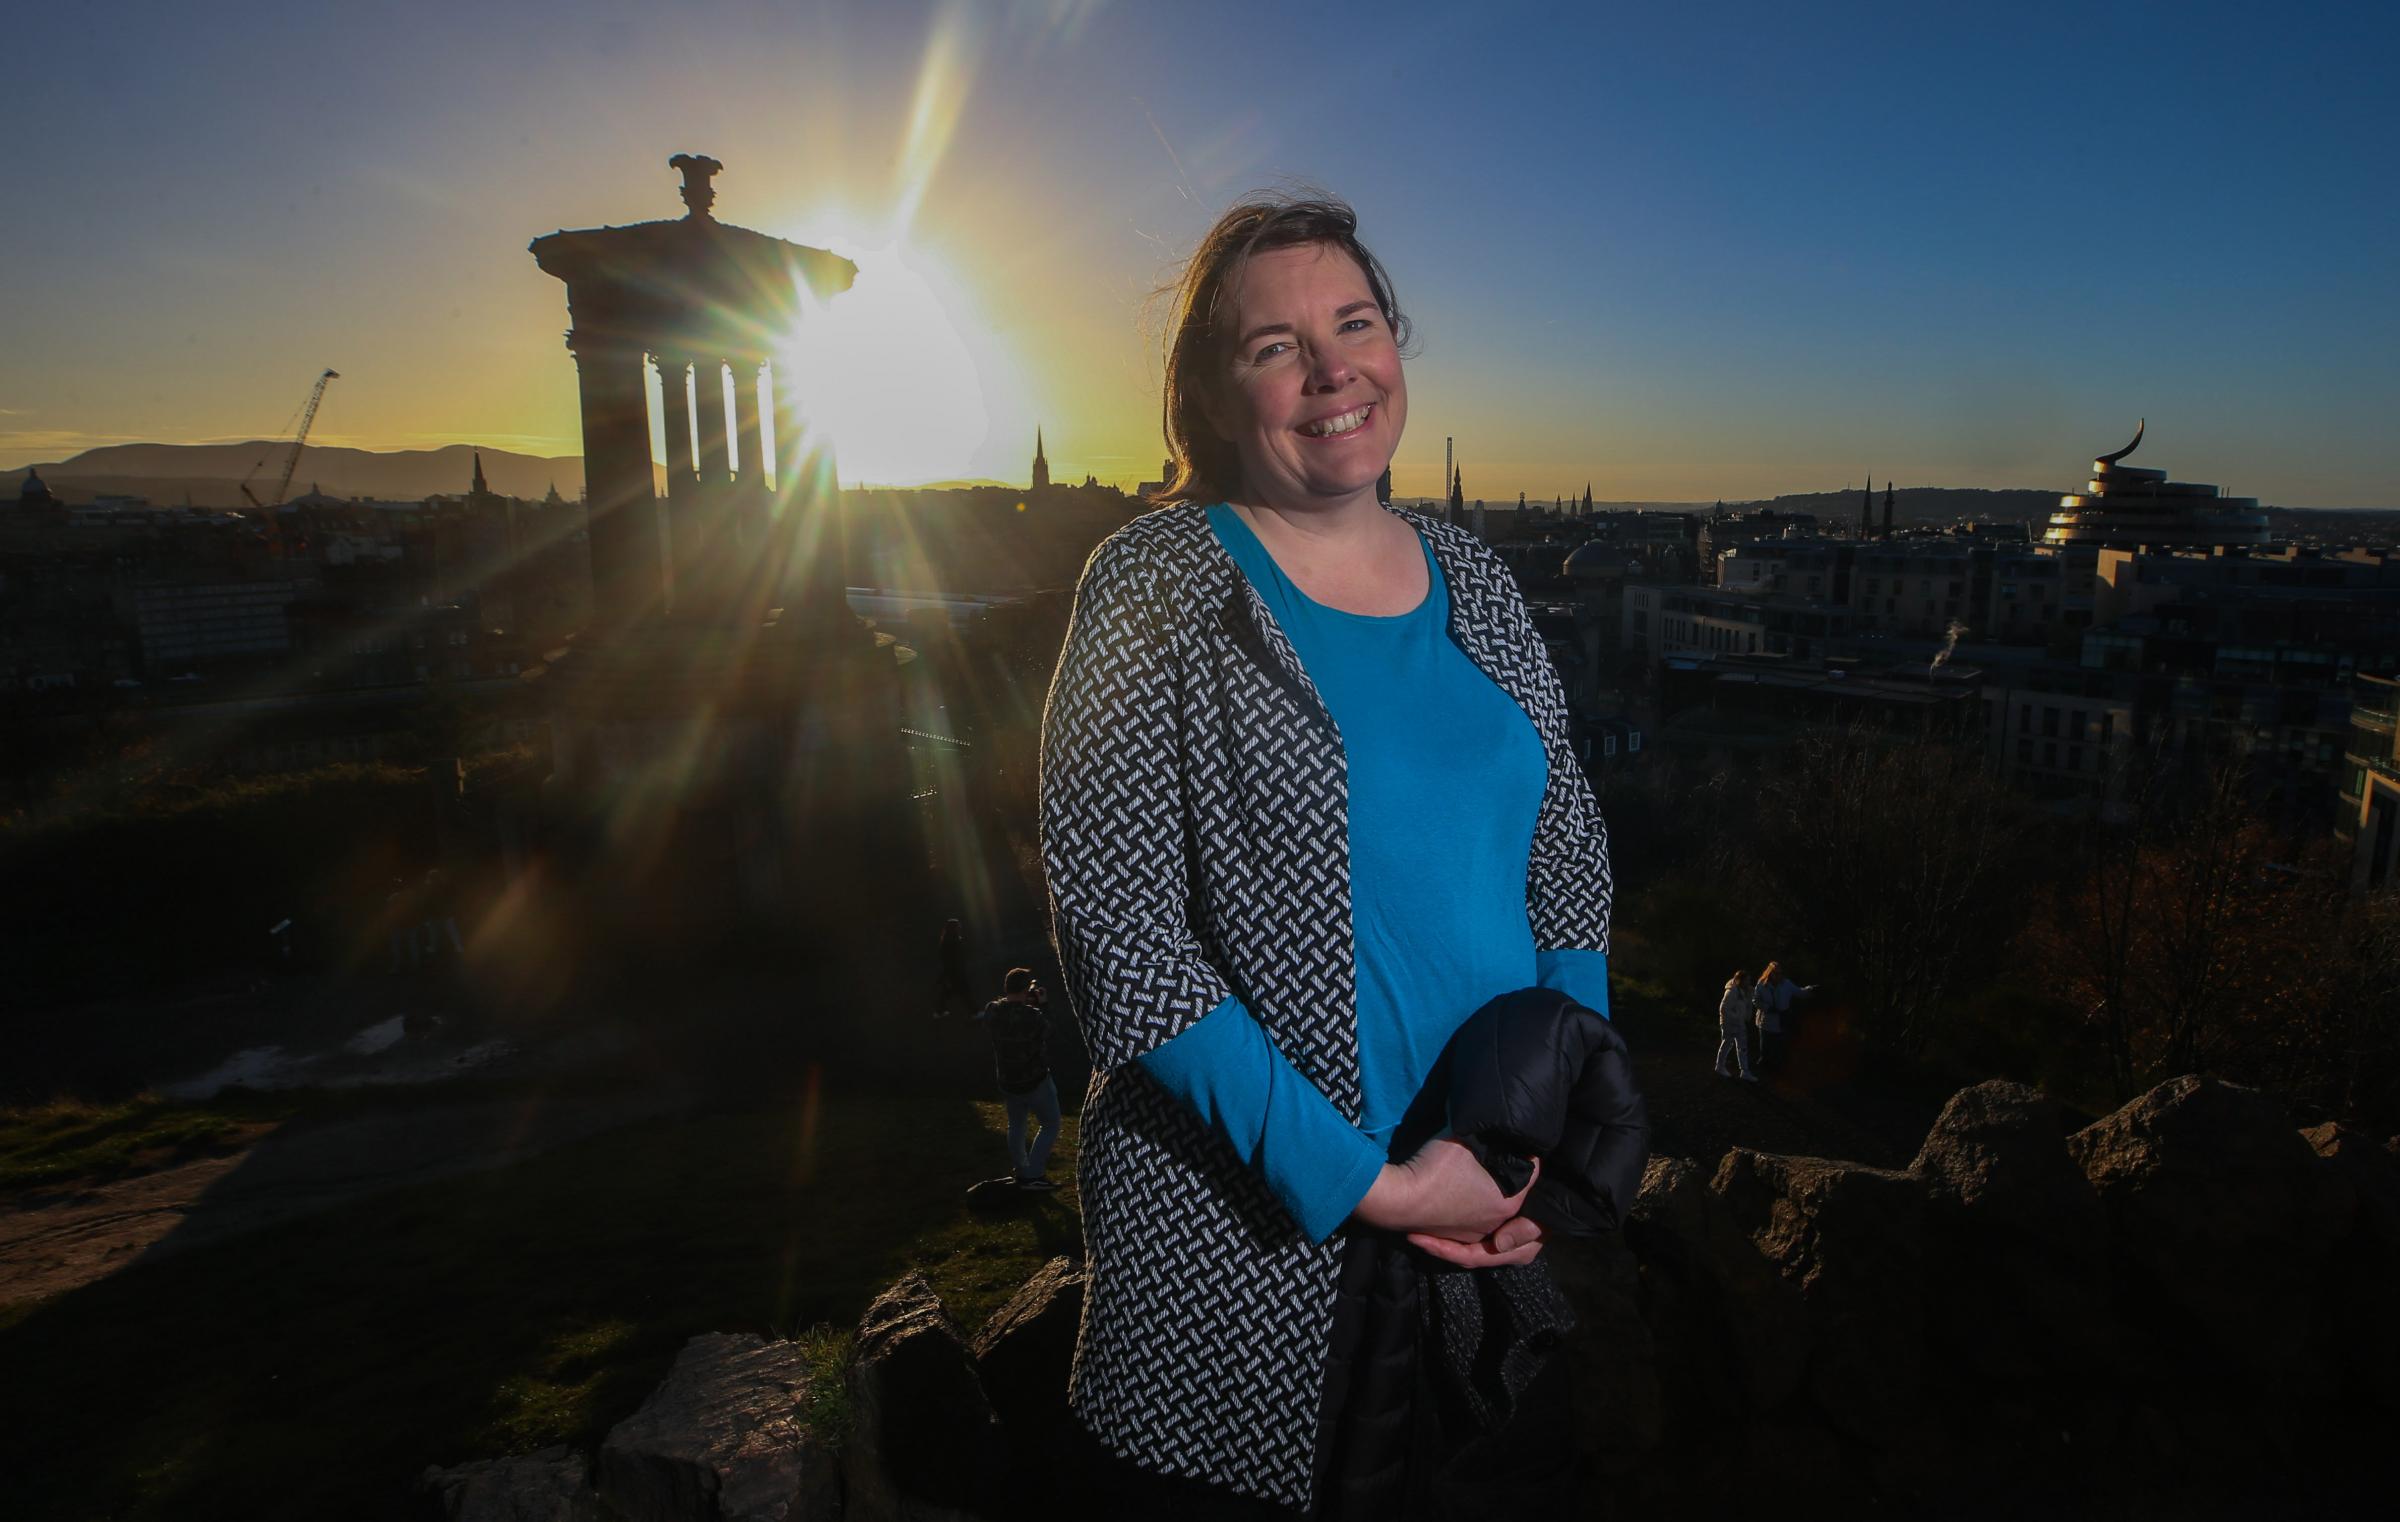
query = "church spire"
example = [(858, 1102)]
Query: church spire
[(1041, 461), (1866, 510), (479, 488)]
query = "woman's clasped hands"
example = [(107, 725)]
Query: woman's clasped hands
[(1449, 1208)]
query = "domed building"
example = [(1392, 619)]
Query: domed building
[(2126, 507)]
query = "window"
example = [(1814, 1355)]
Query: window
[(2050, 754), (2049, 723), (2024, 750)]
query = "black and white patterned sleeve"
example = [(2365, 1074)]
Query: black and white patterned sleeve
[(1112, 832), (1569, 890)]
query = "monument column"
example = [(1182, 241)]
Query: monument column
[(675, 400), (620, 505), (750, 520), (708, 394)]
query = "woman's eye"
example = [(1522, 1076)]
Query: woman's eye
[(1358, 324), (1269, 351)]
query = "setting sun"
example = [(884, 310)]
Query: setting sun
[(901, 378)]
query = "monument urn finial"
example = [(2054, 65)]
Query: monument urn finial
[(698, 170)]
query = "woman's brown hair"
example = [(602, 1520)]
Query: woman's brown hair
[(1207, 468)]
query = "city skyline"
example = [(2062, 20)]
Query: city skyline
[(1681, 258)]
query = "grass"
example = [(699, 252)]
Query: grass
[(314, 1369), (70, 1141)]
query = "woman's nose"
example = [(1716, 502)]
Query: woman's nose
[(1328, 368)]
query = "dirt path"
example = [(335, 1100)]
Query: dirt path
[(53, 1243)]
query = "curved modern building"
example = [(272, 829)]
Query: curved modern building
[(2126, 507)]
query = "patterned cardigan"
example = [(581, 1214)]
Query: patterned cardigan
[(1195, 833)]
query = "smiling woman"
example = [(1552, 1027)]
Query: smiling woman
[(1249, 774), (895, 373)]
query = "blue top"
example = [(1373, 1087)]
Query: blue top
[(1446, 775)]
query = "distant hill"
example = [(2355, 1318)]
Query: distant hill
[(212, 473), (1922, 504)]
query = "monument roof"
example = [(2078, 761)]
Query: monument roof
[(690, 284)]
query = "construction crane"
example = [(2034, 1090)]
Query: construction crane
[(291, 461)]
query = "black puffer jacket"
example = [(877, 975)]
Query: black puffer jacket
[(1429, 1358), (1535, 1074), (1531, 1074)]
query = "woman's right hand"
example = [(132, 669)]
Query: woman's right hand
[(1441, 1192)]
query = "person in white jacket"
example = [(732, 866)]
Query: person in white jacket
[(1734, 1011)]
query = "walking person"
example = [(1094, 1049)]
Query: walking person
[(1734, 1011), (1019, 1026), (1776, 996)]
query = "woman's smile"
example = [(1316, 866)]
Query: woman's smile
[(1317, 400), (1340, 425)]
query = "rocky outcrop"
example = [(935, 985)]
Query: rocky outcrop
[(1023, 1351), (553, 1485), (2221, 1219), (2184, 1296), (925, 1446), (724, 1439), (2019, 1235), (2182, 1307)]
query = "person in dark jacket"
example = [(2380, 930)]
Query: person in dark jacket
[(1019, 1026), (1777, 997)]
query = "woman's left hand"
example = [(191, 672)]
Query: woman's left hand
[(1517, 1240)]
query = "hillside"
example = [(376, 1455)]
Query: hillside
[(212, 472), (1923, 504)]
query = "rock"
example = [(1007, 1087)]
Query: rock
[(1853, 1239), (1720, 1314), (722, 1440), (1612, 1360), (2365, 1335), (553, 1485), (2373, 1173), (2016, 1241), (2221, 1219), (1999, 1149), (924, 1444), (1023, 1352)]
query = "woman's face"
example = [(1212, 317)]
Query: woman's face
[(1311, 396)]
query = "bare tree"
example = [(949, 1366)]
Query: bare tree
[(2191, 935), (1894, 862)]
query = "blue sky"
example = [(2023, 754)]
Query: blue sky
[(1681, 253)]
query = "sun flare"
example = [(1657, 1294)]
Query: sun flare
[(898, 375)]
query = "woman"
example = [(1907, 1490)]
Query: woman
[(1307, 803), (1735, 1006)]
